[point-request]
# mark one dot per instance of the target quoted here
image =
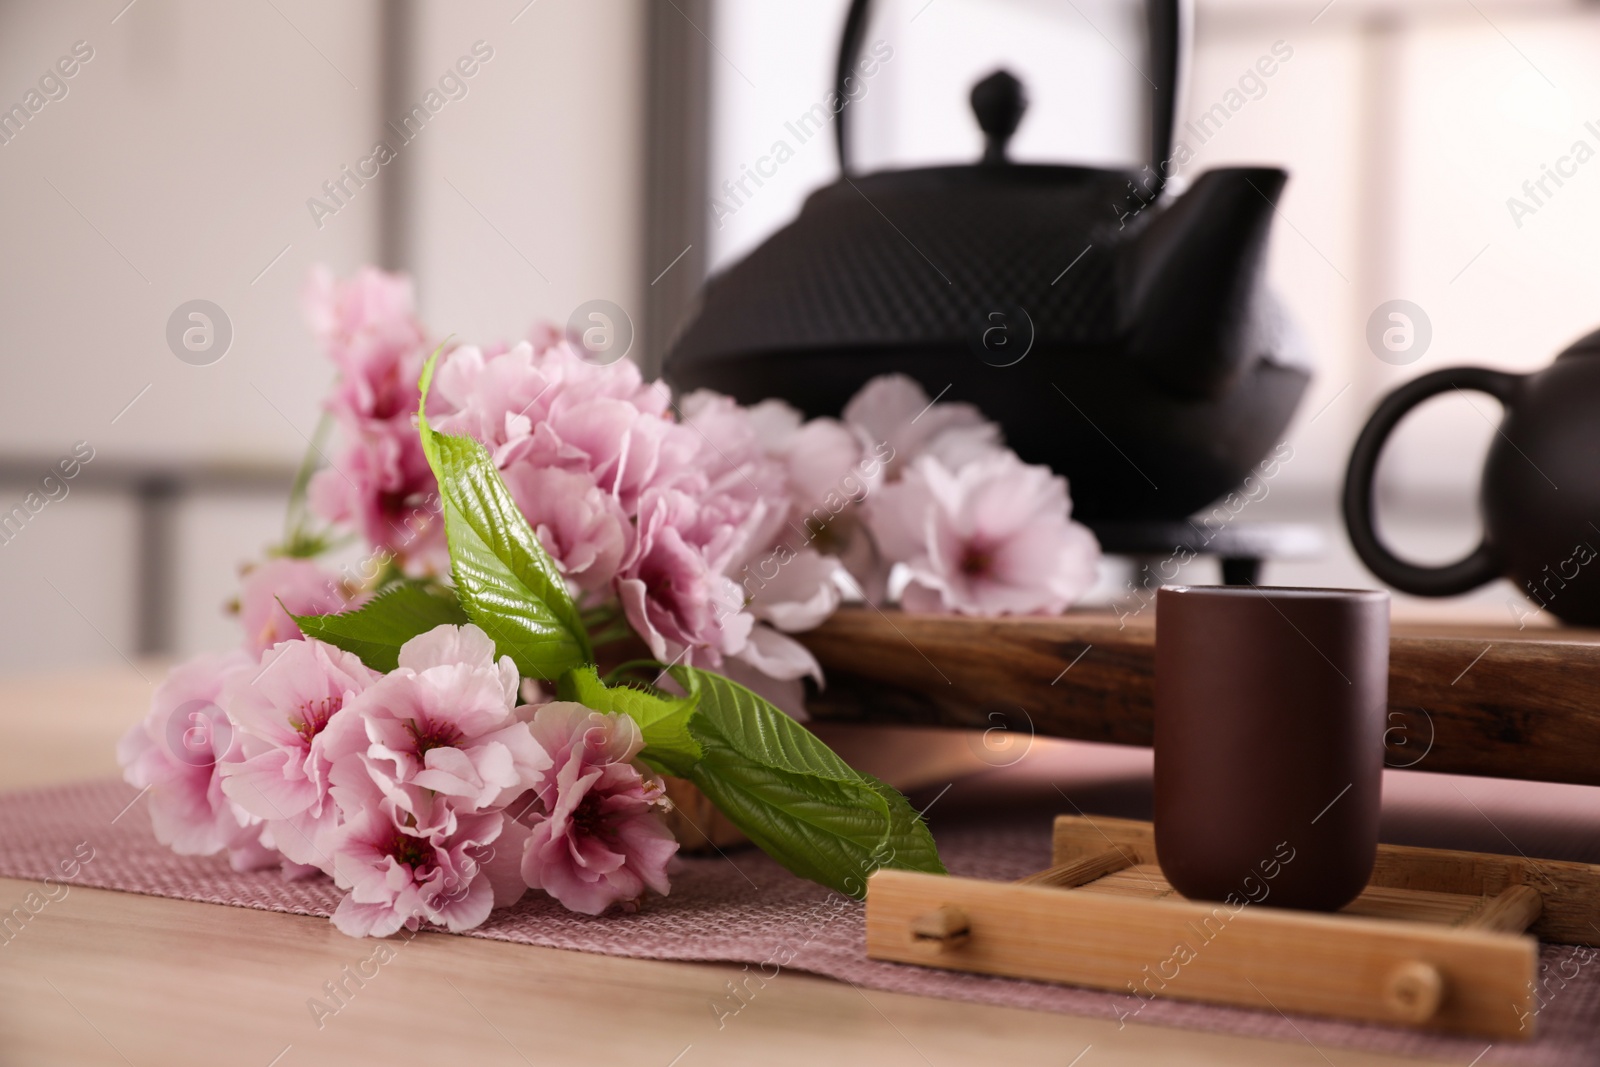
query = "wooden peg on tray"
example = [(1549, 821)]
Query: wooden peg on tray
[(948, 927), (945, 927), (1413, 991)]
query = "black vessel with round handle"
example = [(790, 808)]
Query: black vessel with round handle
[(1118, 334), (1541, 487)]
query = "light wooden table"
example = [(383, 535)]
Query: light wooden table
[(100, 977)]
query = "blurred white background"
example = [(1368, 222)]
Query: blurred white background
[(179, 166), (179, 162)]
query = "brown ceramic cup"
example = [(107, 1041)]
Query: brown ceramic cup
[(1269, 724)]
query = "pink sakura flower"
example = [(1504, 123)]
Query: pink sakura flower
[(832, 469), (368, 327), (704, 560), (605, 420), (792, 591), (177, 753), (553, 409), (598, 837), (379, 482), (894, 409), (992, 538), (736, 474), (577, 376), (781, 658), (823, 458), (396, 876), (382, 486), (298, 585), (438, 738), (494, 399), (626, 452), (545, 335), (810, 476), (674, 592), (281, 709), (584, 529), (730, 436)]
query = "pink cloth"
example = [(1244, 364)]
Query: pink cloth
[(744, 909)]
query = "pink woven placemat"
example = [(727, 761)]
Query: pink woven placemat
[(744, 909)]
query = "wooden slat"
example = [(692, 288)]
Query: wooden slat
[(1143, 880), (1500, 702), (1079, 871), (1513, 910), (1146, 882), (1413, 905), (1433, 976), (1570, 892)]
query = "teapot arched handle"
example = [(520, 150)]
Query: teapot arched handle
[(1483, 564), (1168, 26)]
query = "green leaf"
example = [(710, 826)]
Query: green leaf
[(375, 631), (663, 720), (506, 581), (909, 845), (825, 830), (794, 797)]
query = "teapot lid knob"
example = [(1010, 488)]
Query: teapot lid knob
[(998, 101)]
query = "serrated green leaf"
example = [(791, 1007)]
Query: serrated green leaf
[(759, 731), (663, 720), (794, 797), (823, 829), (909, 845), (375, 631), (505, 580)]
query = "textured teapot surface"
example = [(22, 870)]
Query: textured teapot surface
[(966, 242), (1541, 488), (962, 243)]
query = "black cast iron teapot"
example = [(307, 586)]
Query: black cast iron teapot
[(1541, 487), (1120, 336)]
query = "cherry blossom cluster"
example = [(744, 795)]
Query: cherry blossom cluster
[(427, 793), (717, 529)]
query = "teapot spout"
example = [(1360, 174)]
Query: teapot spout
[(1195, 274)]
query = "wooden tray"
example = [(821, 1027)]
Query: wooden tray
[(1436, 941), (1465, 699)]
